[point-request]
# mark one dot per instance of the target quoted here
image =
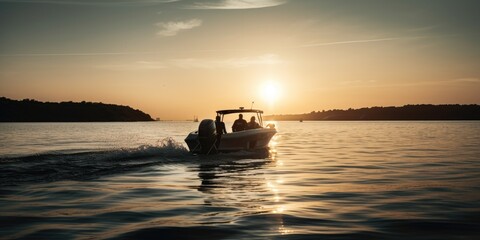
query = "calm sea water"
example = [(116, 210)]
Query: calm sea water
[(320, 180)]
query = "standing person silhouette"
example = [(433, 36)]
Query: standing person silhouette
[(220, 127), (240, 124)]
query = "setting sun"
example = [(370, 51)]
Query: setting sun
[(271, 92)]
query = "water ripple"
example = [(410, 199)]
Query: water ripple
[(319, 180)]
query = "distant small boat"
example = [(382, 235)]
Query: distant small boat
[(195, 119), (301, 120), (204, 140)]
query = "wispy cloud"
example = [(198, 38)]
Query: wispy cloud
[(457, 81), (139, 65), (168, 29), (267, 59), (358, 82), (320, 44), (236, 4), (79, 54), (199, 63), (465, 80), (94, 2)]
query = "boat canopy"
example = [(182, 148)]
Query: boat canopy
[(239, 110), (259, 113)]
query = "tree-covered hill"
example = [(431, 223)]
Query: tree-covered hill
[(28, 110), (407, 112)]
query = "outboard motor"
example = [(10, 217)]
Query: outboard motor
[(207, 134)]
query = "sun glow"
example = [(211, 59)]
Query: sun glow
[(271, 92)]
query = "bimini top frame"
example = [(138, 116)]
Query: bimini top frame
[(259, 113)]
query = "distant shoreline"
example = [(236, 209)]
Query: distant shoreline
[(29, 110), (422, 112), (389, 120)]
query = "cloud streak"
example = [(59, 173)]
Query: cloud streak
[(139, 65), (80, 54), (198, 63), (321, 44), (168, 29), (465, 80), (72, 54), (267, 59), (458, 81), (93, 2), (235, 4)]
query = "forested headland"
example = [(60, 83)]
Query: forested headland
[(28, 110), (407, 112)]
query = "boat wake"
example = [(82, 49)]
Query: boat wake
[(68, 165), (48, 167)]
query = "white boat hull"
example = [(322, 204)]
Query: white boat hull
[(253, 139)]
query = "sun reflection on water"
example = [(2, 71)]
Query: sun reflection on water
[(246, 184)]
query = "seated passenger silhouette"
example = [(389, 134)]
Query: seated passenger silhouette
[(252, 124), (240, 124)]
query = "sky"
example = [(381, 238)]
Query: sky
[(176, 59)]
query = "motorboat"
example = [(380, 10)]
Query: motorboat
[(205, 140)]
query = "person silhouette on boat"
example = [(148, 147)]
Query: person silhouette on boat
[(240, 124), (252, 124), (220, 127)]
